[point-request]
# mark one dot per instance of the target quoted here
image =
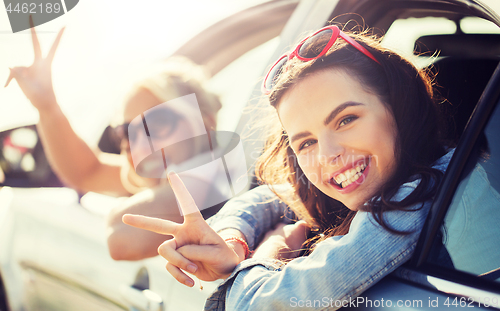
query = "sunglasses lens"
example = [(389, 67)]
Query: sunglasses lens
[(274, 74), (314, 45), (158, 123)]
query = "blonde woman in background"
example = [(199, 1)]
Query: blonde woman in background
[(86, 169)]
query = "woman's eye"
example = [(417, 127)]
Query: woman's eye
[(307, 143), (347, 120)]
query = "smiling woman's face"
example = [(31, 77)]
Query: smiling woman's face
[(344, 137)]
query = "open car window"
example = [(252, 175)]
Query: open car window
[(469, 240)]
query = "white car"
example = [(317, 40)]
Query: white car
[(53, 252)]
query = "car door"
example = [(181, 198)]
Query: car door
[(55, 255), (457, 261)]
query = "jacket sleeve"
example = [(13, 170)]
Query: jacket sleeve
[(339, 269), (253, 213)]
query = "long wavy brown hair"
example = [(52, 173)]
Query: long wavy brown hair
[(407, 93)]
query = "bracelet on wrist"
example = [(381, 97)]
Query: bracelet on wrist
[(240, 241)]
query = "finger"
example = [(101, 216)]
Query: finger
[(188, 207), (203, 253), (180, 276), (157, 225), (54, 46), (34, 38), (168, 251)]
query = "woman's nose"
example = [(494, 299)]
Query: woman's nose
[(330, 151)]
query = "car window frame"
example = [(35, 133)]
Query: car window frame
[(445, 193)]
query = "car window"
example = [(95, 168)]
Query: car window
[(234, 83), (470, 237), (403, 33), (473, 24)]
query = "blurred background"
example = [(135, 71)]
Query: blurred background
[(107, 45)]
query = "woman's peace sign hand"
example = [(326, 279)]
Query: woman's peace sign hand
[(36, 80), (195, 248)]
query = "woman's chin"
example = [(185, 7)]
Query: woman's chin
[(353, 206)]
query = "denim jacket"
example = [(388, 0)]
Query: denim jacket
[(339, 268)]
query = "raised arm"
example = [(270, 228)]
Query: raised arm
[(129, 243), (71, 158)]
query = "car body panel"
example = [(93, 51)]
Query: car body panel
[(60, 258)]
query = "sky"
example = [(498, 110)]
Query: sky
[(105, 47)]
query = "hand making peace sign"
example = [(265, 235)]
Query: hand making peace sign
[(195, 248), (36, 80)]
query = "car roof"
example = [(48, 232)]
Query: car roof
[(378, 14), (228, 39)]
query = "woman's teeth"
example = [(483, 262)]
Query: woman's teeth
[(349, 176)]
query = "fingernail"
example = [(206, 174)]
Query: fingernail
[(192, 268), (189, 283)]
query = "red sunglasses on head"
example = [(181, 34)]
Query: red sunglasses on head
[(305, 52)]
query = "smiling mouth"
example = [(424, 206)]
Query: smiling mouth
[(349, 176)]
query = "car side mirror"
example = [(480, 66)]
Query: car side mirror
[(108, 141), (23, 161)]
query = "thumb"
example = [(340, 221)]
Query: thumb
[(14, 73), (186, 202), (11, 76)]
